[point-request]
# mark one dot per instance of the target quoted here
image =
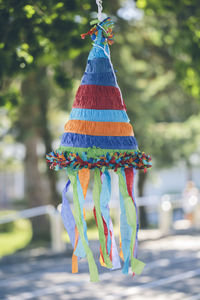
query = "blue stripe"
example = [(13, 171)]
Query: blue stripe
[(98, 65), (99, 115), (106, 79), (98, 52), (103, 142)]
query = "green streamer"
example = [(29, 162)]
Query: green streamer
[(94, 277), (96, 198), (136, 265)]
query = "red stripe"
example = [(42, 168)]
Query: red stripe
[(98, 97)]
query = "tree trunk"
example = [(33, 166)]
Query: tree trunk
[(34, 190), (43, 97), (36, 185), (142, 209)]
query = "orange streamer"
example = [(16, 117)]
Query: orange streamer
[(84, 177)]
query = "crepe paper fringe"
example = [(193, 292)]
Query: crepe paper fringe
[(107, 32), (137, 159), (98, 97), (77, 228), (109, 115), (99, 128)]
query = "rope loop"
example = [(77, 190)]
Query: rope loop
[(100, 8)]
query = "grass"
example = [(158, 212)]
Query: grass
[(14, 236)]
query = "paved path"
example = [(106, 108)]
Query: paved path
[(172, 272)]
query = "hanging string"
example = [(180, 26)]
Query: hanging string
[(100, 8)]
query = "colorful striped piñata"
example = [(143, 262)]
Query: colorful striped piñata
[(99, 137)]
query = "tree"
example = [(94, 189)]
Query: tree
[(154, 97), (181, 38), (39, 39)]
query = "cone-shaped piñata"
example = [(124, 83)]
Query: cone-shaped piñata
[(99, 137)]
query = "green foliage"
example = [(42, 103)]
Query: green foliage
[(181, 37), (157, 59), (62, 78), (157, 104), (9, 98), (14, 236)]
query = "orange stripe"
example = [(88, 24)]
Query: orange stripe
[(99, 128)]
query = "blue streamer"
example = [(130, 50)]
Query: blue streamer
[(126, 232), (79, 249), (104, 200), (69, 222)]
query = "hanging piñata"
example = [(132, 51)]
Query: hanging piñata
[(99, 137)]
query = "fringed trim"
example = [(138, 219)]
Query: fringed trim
[(137, 160)]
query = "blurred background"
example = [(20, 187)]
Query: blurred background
[(42, 58)]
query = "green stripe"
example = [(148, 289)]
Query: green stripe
[(136, 265), (94, 277), (93, 152), (96, 198)]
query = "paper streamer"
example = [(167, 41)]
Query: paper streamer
[(94, 277), (136, 265), (96, 198)]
